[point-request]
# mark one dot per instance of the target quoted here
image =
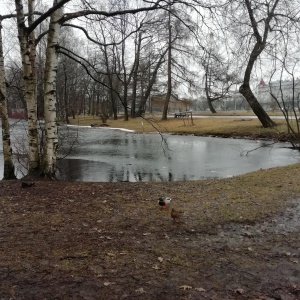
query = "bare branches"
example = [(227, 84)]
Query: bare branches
[(45, 15), (75, 15), (99, 43), (79, 60), (253, 21)]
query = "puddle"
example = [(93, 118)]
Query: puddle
[(284, 223)]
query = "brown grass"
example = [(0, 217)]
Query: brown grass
[(240, 127), (102, 239)]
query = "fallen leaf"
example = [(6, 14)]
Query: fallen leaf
[(295, 261), (160, 259), (185, 287), (239, 291), (107, 283), (140, 290), (146, 233), (296, 287), (155, 267)]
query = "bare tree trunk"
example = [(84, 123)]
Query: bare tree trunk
[(49, 159), (169, 88), (210, 106), (9, 170), (98, 100), (150, 85), (246, 91), (259, 46), (207, 85), (126, 114), (66, 98), (110, 78), (135, 75), (126, 78), (26, 47)]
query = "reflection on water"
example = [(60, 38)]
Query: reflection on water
[(108, 155), (105, 155)]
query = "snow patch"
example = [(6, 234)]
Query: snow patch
[(122, 129)]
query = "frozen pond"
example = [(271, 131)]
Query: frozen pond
[(112, 155), (106, 155)]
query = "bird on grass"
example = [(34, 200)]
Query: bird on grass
[(176, 215), (164, 202)]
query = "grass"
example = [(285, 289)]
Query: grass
[(238, 127)]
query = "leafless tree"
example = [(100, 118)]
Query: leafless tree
[(219, 76), (9, 170), (284, 83), (256, 32)]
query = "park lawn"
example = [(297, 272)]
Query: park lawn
[(225, 127), (238, 239)]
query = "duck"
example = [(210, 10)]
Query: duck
[(176, 215), (164, 202)]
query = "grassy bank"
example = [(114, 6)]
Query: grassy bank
[(237, 127), (79, 240)]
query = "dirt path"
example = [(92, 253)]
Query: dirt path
[(112, 241)]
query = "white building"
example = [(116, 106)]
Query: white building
[(285, 92)]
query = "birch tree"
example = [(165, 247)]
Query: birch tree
[(50, 153), (9, 170), (27, 50)]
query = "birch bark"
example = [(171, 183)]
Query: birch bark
[(27, 46), (9, 170), (50, 155)]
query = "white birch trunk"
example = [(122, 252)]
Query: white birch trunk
[(26, 47), (50, 155), (9, 170)]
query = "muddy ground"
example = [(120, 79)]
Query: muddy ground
[(62, 240)]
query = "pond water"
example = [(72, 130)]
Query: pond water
[(106, 155)]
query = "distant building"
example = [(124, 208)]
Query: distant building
[(285, 91)]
